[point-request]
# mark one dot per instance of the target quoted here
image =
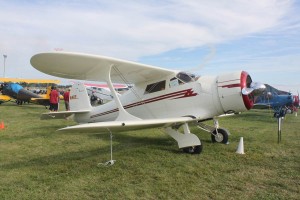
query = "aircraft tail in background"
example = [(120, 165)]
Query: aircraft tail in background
[(79, 99)]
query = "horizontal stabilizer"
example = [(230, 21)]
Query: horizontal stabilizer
[(61, 115), (127, 125), (41, 101)]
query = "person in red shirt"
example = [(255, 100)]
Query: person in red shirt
[(67, 99), (54, 99)]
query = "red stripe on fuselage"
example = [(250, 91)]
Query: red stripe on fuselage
[(231, 85), (179, 94), (229, 81)]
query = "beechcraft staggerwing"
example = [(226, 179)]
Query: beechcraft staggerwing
[(159, 98)]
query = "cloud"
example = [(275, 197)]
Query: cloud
[(148, 27), (130, 29)]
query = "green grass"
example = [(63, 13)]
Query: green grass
[(36, 162)]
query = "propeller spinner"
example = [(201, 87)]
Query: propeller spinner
[(250, 89)]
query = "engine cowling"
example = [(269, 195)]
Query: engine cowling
[(235, 91)]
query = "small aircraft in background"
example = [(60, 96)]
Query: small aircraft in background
[(100, 93), (280, 101), (11, 89), (159, 98)]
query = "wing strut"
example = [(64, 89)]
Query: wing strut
[(123, 114)]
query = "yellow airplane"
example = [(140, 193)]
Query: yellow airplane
[(11, 90)]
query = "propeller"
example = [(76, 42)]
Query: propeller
[(256, 88)]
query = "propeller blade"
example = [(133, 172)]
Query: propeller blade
[(256, 89), (247, 91)]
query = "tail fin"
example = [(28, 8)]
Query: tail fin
[(48, 92), (79, 99)]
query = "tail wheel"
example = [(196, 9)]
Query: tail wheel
[(220, 137), (193, 150)]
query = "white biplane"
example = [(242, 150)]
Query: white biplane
[(159, 98)]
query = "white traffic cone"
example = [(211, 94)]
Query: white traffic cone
[(240, 149)]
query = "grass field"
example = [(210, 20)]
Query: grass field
[(36, 162)]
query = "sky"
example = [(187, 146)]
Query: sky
[(206, 37)]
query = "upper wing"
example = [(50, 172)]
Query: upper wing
[(19, 80), (127, 125), (95, 68)]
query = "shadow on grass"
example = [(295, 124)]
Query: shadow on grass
[(52, 159), (122, 144)]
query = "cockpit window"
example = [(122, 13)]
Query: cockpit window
[(155, 87), (186, 77)]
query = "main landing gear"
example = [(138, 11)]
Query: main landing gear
[(187, 141), (218, 135), (193, 150)]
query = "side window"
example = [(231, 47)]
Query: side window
[(175, 82), (155, 87)]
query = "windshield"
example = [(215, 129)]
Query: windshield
[(186, 77)]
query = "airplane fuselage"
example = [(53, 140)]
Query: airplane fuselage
[(204, 98)]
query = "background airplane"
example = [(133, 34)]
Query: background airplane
[(101, 92), (281, 102), (12, 90)]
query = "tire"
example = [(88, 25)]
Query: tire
[(223, 136), (193, 150)]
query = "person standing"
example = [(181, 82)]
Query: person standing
[(54, 99), (67, 99)]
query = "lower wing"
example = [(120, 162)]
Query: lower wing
[(128, 125), (4, 98)]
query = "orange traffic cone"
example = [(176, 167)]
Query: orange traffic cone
[(2, 125)]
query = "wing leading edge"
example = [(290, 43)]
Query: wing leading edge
[(95, 68)]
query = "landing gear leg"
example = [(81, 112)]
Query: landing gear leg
[(187, 141), (218, 135)]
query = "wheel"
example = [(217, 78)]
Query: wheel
[(193, 150), (221, 137)]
